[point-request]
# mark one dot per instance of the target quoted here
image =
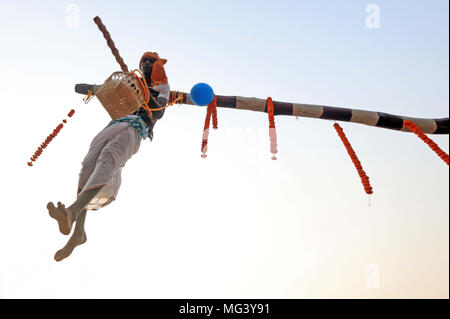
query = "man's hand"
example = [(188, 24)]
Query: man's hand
[(83, 88), (156, 104)]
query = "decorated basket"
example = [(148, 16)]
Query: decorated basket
[(121, 94)]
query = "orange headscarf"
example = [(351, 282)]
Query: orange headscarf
[(158, 73)]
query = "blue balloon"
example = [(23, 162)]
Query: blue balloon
[(201, 94)]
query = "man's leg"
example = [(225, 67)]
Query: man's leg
[(78, 238), (67, 216), (79, 234), (78, 206), (115, 155)]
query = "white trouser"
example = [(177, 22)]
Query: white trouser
[(102, 166)]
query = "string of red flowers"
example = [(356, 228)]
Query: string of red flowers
[(414, 128), (49, 138), (272, 130), (211, 111), (355, 160)]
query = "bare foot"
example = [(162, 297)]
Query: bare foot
[(70, 246), (62, 216)]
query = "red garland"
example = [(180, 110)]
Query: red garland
[(211, 111), (414, 128), (47, 141), (272, 130), (355, 160)]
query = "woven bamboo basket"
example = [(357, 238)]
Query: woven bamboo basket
[(120, 95)]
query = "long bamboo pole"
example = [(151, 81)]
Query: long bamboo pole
[(370, 118), (111, 44)]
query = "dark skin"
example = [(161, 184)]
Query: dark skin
[(76, 213), (147, 66)]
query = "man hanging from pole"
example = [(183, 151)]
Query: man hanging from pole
[(100, 175)]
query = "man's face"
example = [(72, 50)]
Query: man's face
[(147, 64)]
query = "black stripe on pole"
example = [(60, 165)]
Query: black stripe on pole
[(282, 108), (389, 121), (226, 101), (172, 97), (336, 113), (443, 126)]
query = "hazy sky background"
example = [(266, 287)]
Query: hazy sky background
[(237, 224)]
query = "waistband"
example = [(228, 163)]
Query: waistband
[(134, 121)]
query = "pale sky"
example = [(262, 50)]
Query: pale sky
[(237, 224)]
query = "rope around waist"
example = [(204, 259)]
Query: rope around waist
[(135, 122)]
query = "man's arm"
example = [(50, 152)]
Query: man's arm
[(156, 104), (83, 88), (160, 101), (163, 96)]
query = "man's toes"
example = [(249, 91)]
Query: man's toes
[(61, 214), (59, 255), (52, 210), (65, 252)]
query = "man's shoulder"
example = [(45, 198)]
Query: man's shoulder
[(161, 87)]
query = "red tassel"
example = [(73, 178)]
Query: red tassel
[(48, 139), (214, 112), (355, 160), (414, 128), (272, 130), (211, 111)]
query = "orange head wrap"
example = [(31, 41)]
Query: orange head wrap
[(158, 73)]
